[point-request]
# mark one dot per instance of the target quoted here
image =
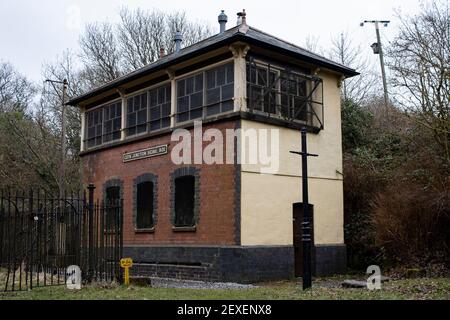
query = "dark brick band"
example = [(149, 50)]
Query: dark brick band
[(229, 263)]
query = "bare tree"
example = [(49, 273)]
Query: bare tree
[(359, 88), (191, 31), (109, 51), (312, 44), (100, 53), (420, 60), (16, 92), (141, 35), (26, 143)]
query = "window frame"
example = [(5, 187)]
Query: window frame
[(204, 106), (111, 183), (86, 127), (179, 173), (146, 177), (280, 68), (141, 91)]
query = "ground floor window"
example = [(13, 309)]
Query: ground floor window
[(184, 201), (145, 198), (112, 198), (185, 197)]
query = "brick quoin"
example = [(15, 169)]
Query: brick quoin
[(216, 224)]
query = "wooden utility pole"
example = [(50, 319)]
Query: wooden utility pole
[(378, 49), (62, 170)]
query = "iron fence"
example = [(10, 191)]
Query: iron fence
[(40, 236)]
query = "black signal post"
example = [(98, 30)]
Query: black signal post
[(306, 224)]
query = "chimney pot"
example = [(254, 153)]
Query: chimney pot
[(178, 39), (242, 18), (223, 19)]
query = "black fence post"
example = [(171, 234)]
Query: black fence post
[(91, 246), (30, 224)]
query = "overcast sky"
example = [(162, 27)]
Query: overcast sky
[(33, 32)]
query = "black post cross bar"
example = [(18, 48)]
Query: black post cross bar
[(306, 225)]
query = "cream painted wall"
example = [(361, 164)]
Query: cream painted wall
[(266, 199), (266, 209)]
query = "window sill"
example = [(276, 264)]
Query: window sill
[(184, 229), (149, 230)]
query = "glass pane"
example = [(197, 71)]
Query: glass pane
[(155, 113), (155, 125), (230, 72), (214, 109), (197, 113), (220, 76), (153, 98), (210, 79), (227, 92), (190, 85), (168, 93), (166, 109), (117, 124), (143, 100), (181, 88), (129, 105), (91, 132), (108, 126), (196, 100), (161, 95), (131, 120), (165, 122), (227, 106), (183, 117), (131, 131), (183, 104), (212, 96), (142, 116), (142, 128), (106, 110), (199, 82)]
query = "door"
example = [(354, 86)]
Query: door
[(297, 233)]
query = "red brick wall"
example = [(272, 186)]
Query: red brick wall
[(217, 192)]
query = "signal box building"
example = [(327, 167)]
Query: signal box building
[(221, 221)]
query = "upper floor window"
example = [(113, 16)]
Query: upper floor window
[(287, 93), (262, 88), (206, 93), (190, 98), (113, 122), (220, 89), (137, 114), (149, 111), (160, 99), (103, 124)]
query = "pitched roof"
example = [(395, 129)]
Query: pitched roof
[(250, 35)]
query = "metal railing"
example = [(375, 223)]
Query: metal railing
[(40, 236)]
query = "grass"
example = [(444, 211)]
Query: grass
[(324, 288)]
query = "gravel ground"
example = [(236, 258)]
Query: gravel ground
[(190, 284)]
